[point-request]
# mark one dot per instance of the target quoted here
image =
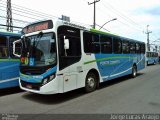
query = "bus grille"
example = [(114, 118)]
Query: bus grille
[(32, 71), (34, 86)]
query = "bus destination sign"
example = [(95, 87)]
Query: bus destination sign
[(38, 27)]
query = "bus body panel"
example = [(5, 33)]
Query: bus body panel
[(116, 65), (9, 65), (9, 73), (112, 65)]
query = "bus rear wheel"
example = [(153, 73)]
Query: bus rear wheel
[(134, 71), (154, 62), (91, 82)]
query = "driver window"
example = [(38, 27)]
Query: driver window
[(3, 47)]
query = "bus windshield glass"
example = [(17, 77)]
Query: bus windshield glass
[(41, 49)]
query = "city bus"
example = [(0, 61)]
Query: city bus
[(9, 64), (59, 56), (152, 58)]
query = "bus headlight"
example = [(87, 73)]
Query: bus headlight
[(48, 79), (45, 81), (52, 77)]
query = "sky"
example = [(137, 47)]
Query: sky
[(132, 15)]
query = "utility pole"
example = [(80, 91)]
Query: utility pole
[(156, 48), (94, 17), (148, 43), (9, 17)]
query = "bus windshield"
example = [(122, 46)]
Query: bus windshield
[(40, 48)]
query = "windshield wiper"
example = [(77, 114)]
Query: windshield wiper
[(33, 50), (26, 44), (38, 36)]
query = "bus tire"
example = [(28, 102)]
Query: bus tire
[(134, 71), (90, 82), (147, 63), (154, 62)]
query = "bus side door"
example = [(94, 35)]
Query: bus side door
[(69, 55)]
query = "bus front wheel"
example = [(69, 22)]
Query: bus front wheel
[(91, 82)]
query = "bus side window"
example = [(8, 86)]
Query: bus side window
[(106, 44), (3, 47), (125, 47), (138, 48), (147, 54), (132, 48), (87, 38), (117, 45), (95, 44), (142, 48), (91, 43)]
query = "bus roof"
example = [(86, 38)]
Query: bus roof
[(75, 24), (3, 33), (111, 34)]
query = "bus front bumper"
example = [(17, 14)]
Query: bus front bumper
[(49, 88)]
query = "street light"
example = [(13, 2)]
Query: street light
[(103, 28), (107, 22)]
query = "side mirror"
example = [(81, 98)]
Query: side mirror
[(66, 43), (14, 47)]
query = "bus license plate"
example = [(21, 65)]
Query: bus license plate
[(29, 86)]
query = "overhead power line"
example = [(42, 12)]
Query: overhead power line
[(11, 26), (127, 24), (27, 10), (24, 12), (120, 14), (18, 20)]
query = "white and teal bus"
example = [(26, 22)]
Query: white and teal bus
[(60, 56), (152, 58)]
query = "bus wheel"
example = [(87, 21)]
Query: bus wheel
[(147, 63), (91, 82), (154, 62), (134, 71)]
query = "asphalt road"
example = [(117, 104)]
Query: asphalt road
[(122, 95)]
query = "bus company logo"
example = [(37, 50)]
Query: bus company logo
[(31, 62), (104, 63), (109, 62), (38, 77), (75, 25)]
